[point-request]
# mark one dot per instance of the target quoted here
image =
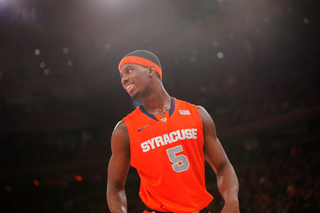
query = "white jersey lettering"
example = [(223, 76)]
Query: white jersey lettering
[(166, 139), (173, 138), (188, 133), (169, 138), (181, 136), (194, 133), (159, 141), (145, 147), (151, 142)]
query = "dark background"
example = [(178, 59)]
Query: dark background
[(253, 64)]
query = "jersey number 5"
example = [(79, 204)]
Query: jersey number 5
[(180, 162)]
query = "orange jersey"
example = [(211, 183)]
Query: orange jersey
[(168, 155)]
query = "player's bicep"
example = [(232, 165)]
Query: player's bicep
[(213, 150), (120, 159)]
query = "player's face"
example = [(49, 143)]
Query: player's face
[(133, 79)]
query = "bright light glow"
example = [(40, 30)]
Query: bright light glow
[(35, 182), (107, 46), (42, 65), (220, 55), (70, 63), (65, 50), (215, 43), (78, 178), (46, 71), (37, 52)]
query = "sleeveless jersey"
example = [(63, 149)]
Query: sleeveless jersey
[(168, 155)]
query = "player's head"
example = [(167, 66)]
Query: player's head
[(144, 58), (140, 73)]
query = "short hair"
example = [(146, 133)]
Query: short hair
[(146, 55)]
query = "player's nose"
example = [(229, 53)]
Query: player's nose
[(124, 80)]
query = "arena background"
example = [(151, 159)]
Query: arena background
[(253, 64)]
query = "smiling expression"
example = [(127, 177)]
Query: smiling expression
[(133, 79)]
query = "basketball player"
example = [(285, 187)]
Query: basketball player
[(167, 141)]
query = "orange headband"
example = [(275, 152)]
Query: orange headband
[(141, 61)]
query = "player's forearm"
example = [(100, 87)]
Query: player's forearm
[(228, 184), (117, 200)]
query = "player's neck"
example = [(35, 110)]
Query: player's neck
[(158, 103)]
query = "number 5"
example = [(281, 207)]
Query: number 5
[(180, 162)]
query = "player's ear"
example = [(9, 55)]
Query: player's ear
[(151, 70)]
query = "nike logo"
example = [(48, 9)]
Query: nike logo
[(142, 128)]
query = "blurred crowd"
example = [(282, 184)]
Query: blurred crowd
[(277, 173), (283, 177), (243, 100), (33, 150), (269, 92)]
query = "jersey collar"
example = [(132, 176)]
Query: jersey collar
[(154, 117)]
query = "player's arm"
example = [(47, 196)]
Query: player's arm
[(227, 180), (118, 168)]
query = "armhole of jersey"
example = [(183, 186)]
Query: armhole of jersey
[(126, 122), (199, 117), (200, 124)]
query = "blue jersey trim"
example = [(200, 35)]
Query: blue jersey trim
[(147, 113), (172, 107), (171, 110)]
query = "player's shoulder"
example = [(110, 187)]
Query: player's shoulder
[(186, 104), (120, 131), (120, 126), (204, 115), (126, 122), (133, 115), (181, 103), (120, 135), (201, 109)]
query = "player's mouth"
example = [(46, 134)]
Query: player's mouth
[(129, 87)]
